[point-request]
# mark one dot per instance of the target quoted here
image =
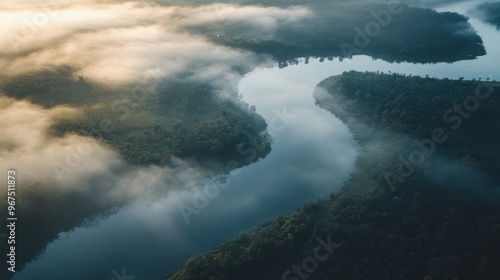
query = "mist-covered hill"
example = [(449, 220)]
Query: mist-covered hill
[(422, 203), (108, 102)]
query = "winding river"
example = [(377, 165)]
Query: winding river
[(313, 155)]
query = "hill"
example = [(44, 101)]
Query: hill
[(441, 221)]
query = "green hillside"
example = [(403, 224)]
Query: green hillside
[(434, 224)]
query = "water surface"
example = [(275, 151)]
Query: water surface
[(312, 155)]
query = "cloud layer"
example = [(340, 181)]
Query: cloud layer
[(125, 42), (110, 44)]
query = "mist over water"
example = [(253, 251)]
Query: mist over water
[(313, 154)]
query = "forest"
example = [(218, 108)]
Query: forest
[(430, 226), (194, 114), (182, 118), (382, 31), (413, 107), (176, 119)]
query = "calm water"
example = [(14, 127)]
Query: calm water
[(313, 154)]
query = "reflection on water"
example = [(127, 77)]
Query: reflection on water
[(313, 154)]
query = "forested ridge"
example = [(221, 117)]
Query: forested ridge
[(430, 226), (413, 107), (186, 119), (157, 87), (175, 119), (379, 30)]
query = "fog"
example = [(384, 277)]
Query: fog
[(62, 180), (128, 210), (113, 46), (313, 155), (125, 43)]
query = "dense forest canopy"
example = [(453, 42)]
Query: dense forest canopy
[(154, 84), (336, 29), (181, 117), (416, 106), (184, 120), (427, 227)]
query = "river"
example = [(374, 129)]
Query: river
[(313, 154)]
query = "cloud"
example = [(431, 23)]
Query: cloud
[(72, 162), (259, 17), (120, 43), (63, 180), (110, 45)]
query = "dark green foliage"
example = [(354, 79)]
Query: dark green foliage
[(424, 229), (184, 120), (410, 34), (179, 118), (52, 88), (383, 236), (416, 106)]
